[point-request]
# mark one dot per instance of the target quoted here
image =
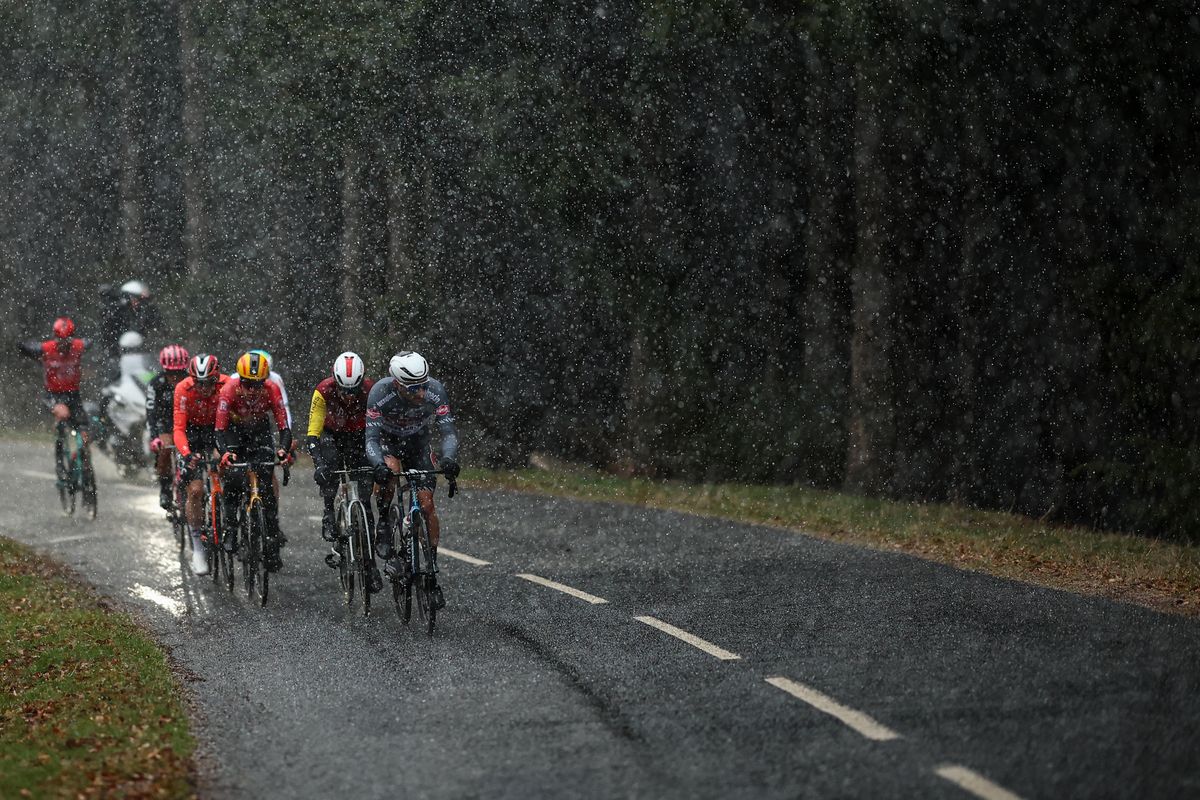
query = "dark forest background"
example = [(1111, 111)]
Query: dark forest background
[(934, 250)]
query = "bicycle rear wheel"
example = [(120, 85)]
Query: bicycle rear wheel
[(401, 583), (88, 484), (362, 542)]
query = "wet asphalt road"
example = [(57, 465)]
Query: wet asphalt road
[(529, 691)]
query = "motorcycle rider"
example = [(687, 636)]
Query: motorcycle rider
[(126, 308), (160, 406)]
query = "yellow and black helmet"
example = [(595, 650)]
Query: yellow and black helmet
[(253, 366)]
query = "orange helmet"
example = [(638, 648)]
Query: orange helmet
[(253, 366)]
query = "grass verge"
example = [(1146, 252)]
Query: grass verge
[(1161, 575), (90, 707)]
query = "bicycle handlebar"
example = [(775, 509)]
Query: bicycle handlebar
[(452, 483)]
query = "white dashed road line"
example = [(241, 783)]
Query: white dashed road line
[(32, 473), (857, 720), (974, 783), (590, 598), (155, 596), (479, 562), (694, 641)]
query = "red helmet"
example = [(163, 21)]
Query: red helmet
[(173, 357), (204, 368), (63, 327)]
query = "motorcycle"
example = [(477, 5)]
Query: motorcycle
[(119, 420)]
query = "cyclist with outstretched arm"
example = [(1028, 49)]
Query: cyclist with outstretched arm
[(403, 410), (62, 361)]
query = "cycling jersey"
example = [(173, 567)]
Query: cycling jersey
[(239, 406), (194, 410), (63, 365), (391, 415), (160, 404), (337, 411)]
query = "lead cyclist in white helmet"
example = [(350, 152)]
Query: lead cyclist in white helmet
[(403, 410)]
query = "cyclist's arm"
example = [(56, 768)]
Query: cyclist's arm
[(222, 422), (445, 425), (374, 429), (179, 423), (287, 409), (316, 423), (30, 349), (282, 420), (151, 402)]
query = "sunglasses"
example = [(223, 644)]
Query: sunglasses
[(414, 388)]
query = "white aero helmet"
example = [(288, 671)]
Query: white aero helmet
[(408, 368), (131, 341), (348, 370), (135, 289)]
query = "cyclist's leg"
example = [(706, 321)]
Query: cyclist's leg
[(327, 452), (383, 540), (162, 466), (419, 455), (75, 413)]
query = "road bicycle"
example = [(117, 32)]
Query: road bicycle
[(222, 541), (354, 538), (254, 541), (74, 475), (176, 512), (416, 574)]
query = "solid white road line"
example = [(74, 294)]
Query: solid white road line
[(590, 598), (694, 641), (479, 562), (974, 783), (33, 473), (857, 720), (155, 596)]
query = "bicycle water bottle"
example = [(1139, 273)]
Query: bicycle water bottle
[(405, 526)]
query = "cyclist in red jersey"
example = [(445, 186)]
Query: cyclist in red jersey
[(62, 359), (193, 423), (243, 431), (337, 419)]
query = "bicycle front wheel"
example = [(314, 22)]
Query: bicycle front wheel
[(258, 529), (423, 576), (250, 553), (88, 484), (346, 549), (362, 543)]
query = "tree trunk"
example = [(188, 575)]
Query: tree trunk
[(870, 452), (829, 249), (352, 242), (195, 221)]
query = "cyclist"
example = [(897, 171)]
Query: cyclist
[(193, 422), (402, 410), (243, 429), (337, 418), (160, 406), (62, 359)]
